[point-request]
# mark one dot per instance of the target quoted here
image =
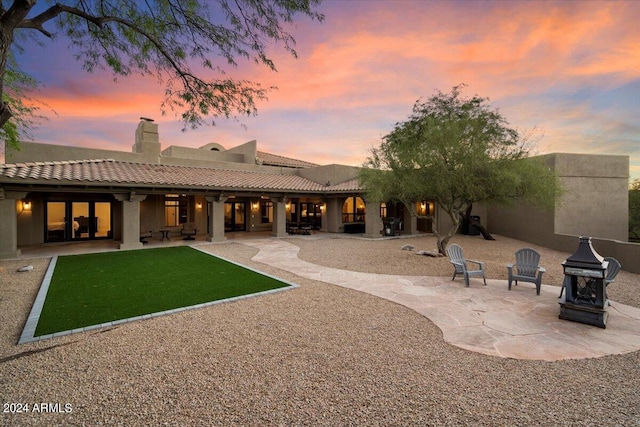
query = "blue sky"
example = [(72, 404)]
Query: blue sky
[(570, 70)]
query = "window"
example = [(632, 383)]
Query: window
[(353, 210), (311, 214), (175, 210), (77, 219), (266, 210)]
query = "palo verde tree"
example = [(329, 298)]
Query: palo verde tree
[(456, 151), (18, 87), (185, 43)]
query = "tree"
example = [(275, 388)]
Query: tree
[(456, 151), (634, 211), (18, 86), (177, 41)]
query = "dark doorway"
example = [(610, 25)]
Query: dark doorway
[(234, 216)]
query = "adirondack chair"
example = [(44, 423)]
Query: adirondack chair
[(526, 269), (613, 269), (188, 230), (456, 257)]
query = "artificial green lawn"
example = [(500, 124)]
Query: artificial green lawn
[(96, 288)]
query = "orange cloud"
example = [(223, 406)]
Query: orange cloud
[(361, 70)]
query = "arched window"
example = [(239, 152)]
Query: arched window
[(353, 210)]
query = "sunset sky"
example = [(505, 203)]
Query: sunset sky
[(570, 70)]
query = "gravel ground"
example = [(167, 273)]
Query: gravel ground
[(315, 355)]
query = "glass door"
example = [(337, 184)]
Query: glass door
[(102, 218), (73, 220), (234, 216), (56, 222), (82, 224)]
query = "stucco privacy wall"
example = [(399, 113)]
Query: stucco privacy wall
[(596, 199), (595, 204), (444, 223)]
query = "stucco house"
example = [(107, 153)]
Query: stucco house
[(51, 193)]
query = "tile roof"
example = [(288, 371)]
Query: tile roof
[(275, 160), (110, 172), (348, 186)]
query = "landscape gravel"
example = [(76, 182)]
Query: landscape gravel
[(315, 355)]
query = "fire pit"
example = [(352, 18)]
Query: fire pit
[(585, 299)]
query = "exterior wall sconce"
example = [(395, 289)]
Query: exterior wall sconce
[(254, 205), (26, 205), (322, 207), (288, 206), (423, 208), (199, 205)]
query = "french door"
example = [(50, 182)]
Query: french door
[(77, 220), (234, 216)]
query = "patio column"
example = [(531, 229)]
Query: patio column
[(373, 223), (332, 218), (279, 228), (216, 220), (410, 221), (130, 220), (9, 223)]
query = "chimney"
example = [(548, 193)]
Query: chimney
[(147, 138)]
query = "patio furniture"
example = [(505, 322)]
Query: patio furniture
[(189, 230), (144, 235), (613, 269), (293, 228), (527, 268), (164, 234), (456, 257)]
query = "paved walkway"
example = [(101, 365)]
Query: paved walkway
[(486, 319)]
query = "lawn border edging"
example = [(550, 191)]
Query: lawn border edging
[(29, 329)]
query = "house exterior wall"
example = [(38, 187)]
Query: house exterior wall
[(187, 153), (8, 234), (152, 213), (330, 173), (31, 224), (444, 223), (34, 152), (595, 203), (147, 150), (522, 222)]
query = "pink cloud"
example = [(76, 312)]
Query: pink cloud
[(361, 70)]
